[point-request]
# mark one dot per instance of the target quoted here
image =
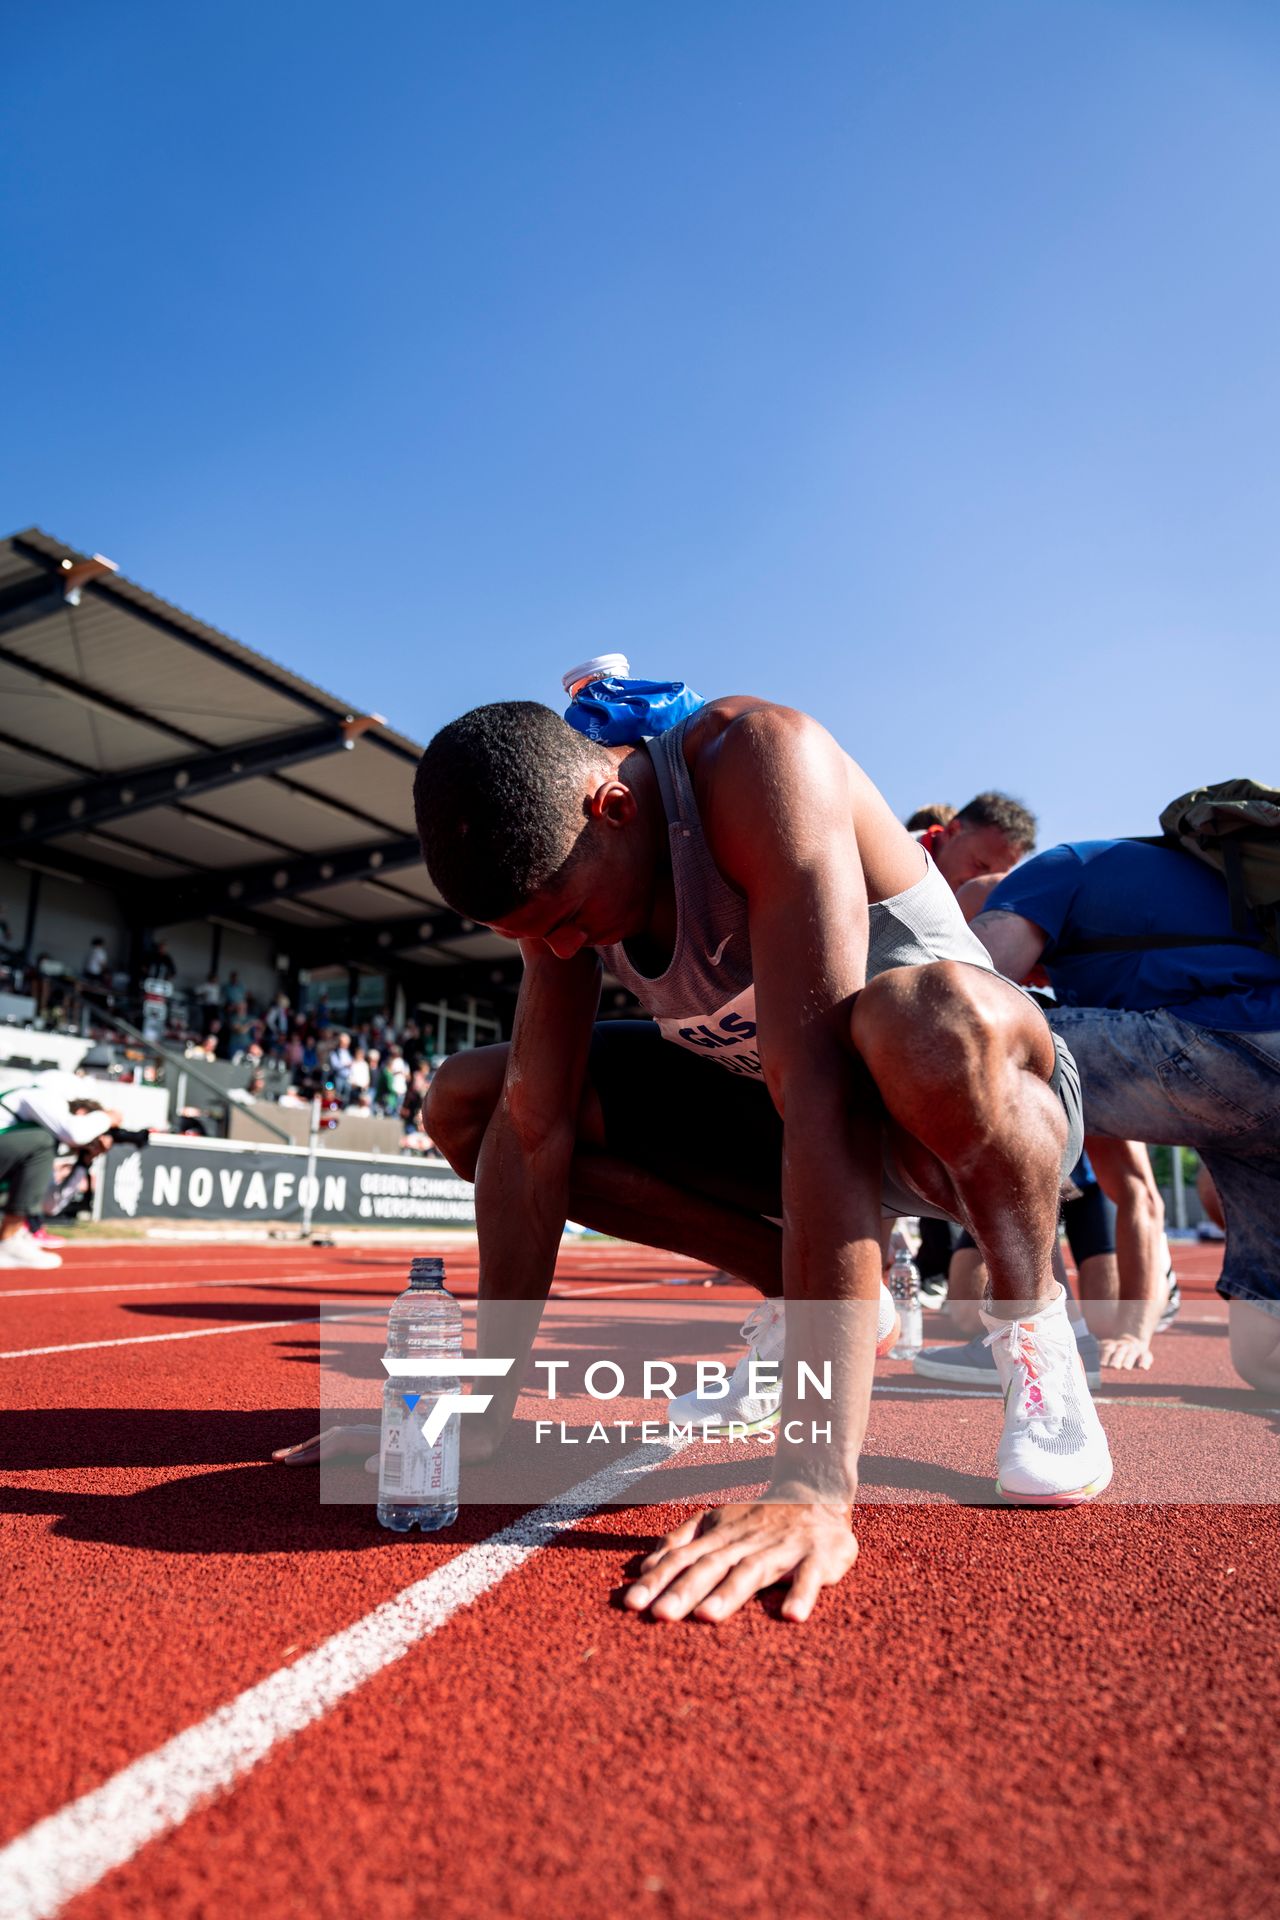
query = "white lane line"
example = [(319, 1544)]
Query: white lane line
[(179, 1286), (154, 1339), (70, 1851), (601, 1289)]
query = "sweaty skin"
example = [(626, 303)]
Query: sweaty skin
[(950, 1060)]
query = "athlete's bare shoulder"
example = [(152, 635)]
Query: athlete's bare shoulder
[(737, 717), (739, 737)]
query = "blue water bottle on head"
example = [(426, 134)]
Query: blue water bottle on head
[(608, 706)]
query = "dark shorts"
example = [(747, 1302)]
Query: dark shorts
[(719, 1134)]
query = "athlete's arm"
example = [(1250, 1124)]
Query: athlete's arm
[(1014, 943), (522, 1178), (781, 828)]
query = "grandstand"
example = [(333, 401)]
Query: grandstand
[(160, 782)]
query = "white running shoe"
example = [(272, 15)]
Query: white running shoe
[(765, 1332), (20, 1250), (1053, 1451)]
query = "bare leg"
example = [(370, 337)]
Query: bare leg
[(1124, 1317), (1255, 1346), (963, 1062), (966, 1290)]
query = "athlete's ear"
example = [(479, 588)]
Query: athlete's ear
[(613, 802)]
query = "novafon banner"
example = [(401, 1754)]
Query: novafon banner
[(182, 1178)]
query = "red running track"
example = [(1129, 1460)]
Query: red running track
[(999, 1713)]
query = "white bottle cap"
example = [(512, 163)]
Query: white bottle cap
[(615, 665)]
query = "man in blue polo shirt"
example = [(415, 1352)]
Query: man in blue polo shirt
[(1174, 1021)]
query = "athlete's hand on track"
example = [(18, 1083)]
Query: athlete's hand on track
[(1127, 1352), (713, 1564), (335, 1443)]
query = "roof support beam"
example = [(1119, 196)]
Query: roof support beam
[(27, 601), (281, 879), (93, 803)]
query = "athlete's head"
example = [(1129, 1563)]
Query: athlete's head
[(990, 835), (936, 814), (530, 827)]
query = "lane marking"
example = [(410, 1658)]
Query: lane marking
[(154, 1339), (70, 1851), (601, 1289)]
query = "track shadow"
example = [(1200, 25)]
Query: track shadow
[(241, 1510), (32, 1440), (214, 1310)]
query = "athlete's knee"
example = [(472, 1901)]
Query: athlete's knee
[(460, 1100), (926, 1019)]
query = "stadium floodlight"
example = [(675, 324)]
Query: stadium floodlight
[(357, 723)]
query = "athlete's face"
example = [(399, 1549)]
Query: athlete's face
[(603, 894), (969, 852)]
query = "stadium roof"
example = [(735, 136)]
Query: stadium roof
[(146, 751)]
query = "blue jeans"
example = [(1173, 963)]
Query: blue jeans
[(1153, 1077)]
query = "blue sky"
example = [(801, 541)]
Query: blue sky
[(917, 364)]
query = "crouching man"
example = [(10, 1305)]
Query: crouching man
[(829, 1040), (1173, 1015)]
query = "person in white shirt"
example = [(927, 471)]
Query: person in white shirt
[(97, 961), (33, 1123)]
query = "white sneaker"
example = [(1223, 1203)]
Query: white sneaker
[(765, 1332), (1053, 1451), (20, 1250)]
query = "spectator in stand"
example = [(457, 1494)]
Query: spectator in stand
[(394, 1081), (310, 1060), (419, 1082), (340, 1062), (97, 962), (235, 993), (208, 1000), (358, 1073), (161, 966), (276, 1025), (361, 1104)]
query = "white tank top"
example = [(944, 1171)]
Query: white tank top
[(705, 1000)]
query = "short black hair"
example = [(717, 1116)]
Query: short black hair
[(1016, 822), (498, 802)]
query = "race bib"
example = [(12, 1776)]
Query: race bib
[(727, 1036)]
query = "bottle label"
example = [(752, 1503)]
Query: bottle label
[(410, 1466)]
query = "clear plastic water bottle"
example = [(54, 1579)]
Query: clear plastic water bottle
[(904, 1285), (418, 1478)]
